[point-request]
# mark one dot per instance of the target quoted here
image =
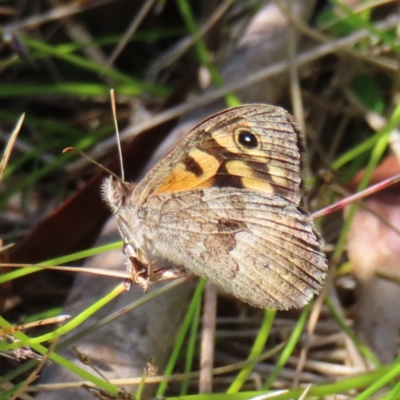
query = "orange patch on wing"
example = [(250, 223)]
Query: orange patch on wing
[(195, 171), (227, 142), (260, 179), (256, 184), (248, 177), (238, 168)]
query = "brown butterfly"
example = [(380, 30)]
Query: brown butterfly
[(224, 204)]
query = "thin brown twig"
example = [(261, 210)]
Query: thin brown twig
[(208, 339), (186, 43), (93, 271), (41, 322), (157, 379), (357, 196), (10, 145), (324, 38), (53, 15), (130, 31), (344, 192), (35, 372), (311, 326)]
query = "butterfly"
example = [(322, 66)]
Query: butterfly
[(224, 204)]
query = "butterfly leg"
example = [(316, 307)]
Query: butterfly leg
[(142, 272), (137, 268)]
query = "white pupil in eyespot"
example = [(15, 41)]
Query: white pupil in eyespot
[(248, 139)]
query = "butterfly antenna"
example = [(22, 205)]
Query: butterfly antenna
[(68, 149), (114, 111)]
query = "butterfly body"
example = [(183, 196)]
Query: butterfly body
[(224, 204)]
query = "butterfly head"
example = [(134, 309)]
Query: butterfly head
[(113, 192)]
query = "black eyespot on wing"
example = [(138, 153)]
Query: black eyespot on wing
[(248, 139)]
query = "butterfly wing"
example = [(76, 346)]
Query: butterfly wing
[(224, 204), (259, 247), (253, 146)]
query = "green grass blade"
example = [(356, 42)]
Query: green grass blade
[(256, 350), (61, 360), (72, 324), (18, 273), (182, 334), (288, 350), (191, 347)]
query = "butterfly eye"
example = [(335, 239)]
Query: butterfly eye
[(247, 139), (117, 198), (113, 193)]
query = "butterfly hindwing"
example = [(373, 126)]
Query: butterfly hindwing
[(258, 247)]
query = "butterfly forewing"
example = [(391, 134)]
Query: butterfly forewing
[(260, 151), (253, 146)]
